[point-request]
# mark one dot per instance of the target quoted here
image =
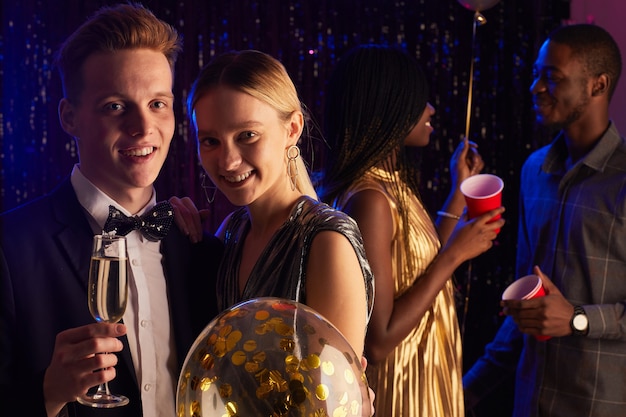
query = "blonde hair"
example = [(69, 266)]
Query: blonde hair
[(263, 77)]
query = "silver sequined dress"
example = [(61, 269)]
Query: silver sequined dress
[(280, 271)]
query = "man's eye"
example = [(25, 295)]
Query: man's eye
[(114, 106), (159, 104)]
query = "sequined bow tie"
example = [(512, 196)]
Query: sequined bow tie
[(154, 225)]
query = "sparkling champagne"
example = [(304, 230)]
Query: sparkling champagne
[(108, 290), (107, 293)]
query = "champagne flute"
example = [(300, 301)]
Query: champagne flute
[(108, 293)]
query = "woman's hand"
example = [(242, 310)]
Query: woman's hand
[(471, 238), (188, 218), (465, 162)]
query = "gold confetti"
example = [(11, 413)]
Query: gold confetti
[(292, 363), (259, 357), (226, 390), (262, 315), (277, 381), (320, 413), (231, 408), (224, 331), (313, 361), (321, 392), (348, 376), (284, 329), (206, 361), (194, 408), (355, 408), (328, 368), (239, 358), (262, 329), (298, 376), (251, 367), (249, 345), (263, 391), (232, 339), (340, 412), (287, 345), (205, 383)]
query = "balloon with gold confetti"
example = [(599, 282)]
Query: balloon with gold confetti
[(271, 357)]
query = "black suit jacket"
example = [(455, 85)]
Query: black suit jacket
[(45, 248)]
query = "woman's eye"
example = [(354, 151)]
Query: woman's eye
[(159, 104), (248, 135), (207, 141)]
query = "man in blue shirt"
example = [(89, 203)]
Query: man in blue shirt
[(572, 228)]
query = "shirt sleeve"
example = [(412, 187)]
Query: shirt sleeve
[(607, 321), (498, 363)]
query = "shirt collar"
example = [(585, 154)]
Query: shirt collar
[(96, 202), (596, 159)]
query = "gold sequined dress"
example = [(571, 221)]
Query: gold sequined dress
[(421, 377)]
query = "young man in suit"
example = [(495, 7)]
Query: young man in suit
[(117, 74)]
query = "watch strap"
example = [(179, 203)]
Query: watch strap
[(578, 310)]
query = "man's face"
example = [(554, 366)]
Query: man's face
[(123, 121), (561, 88)]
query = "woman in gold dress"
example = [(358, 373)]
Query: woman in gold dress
[(376, 106)]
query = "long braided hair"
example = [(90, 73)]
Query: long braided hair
[(375, 97)]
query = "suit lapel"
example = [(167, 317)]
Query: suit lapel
[(175, 248), (75, 240), (75, 235)]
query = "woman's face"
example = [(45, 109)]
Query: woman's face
[(420, 135), (242, 144)]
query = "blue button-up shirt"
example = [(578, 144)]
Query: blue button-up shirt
[(573, 225)]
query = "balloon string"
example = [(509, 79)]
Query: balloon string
[(477, 19)]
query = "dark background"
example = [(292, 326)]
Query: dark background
[(308, 37)]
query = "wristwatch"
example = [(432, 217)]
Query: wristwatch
[(579, 322)]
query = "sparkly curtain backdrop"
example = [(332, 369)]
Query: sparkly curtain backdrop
[(308, 37)]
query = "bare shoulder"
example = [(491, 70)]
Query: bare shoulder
[(368, 203), (372, 211)]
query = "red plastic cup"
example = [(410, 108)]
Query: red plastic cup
[(526, 288), (483, 192)]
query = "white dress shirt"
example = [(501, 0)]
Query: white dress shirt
[(147, 316)]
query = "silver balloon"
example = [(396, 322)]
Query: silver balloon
[(478, 5)]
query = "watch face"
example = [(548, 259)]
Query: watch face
[(580, 322)]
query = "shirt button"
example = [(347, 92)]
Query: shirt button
[(147, 387), (144, 323), (136, 262)]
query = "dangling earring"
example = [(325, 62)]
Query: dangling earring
[(209, 190), (293, 153)]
